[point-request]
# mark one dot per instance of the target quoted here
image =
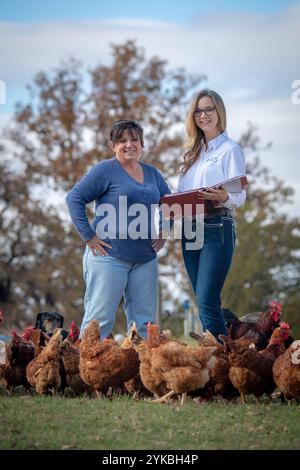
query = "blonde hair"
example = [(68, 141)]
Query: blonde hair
[(195, 136)]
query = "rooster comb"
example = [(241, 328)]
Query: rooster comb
[(284, 325), (276, 305)]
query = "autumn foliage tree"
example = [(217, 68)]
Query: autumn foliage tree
[(63, 130), (53, 140), (267, 259)]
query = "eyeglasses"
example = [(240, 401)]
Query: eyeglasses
[(207, 111)]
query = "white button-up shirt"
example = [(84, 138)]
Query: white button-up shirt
[(223, 160)]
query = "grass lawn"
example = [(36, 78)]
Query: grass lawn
[(33, 422)]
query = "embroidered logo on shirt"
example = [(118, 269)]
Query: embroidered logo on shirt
[(210, 159)]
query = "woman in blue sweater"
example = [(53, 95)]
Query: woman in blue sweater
[(121, 248)]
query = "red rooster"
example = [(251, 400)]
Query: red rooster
[(261, 331)]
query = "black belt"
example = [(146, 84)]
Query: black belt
[(220, 211)]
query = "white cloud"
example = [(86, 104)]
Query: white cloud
[(278, 122), (4, 118), (234, 50), (246, 92)]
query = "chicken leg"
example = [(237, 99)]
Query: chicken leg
[(164, 398)]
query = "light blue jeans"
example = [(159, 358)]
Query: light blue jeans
[(107, 280)]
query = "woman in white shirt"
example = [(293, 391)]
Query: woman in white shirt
[(210, 158)]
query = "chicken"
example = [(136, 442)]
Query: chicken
[(3, 357), (206, 339), (134, 338), (184, 369), (219, 383), (44, 371), (135, 385), (37, 337), (260, 331), (69, 361), (73, 333), (69, 353), (151, 379), (70, 358), (251, 370), (18, 354), (286, 372), (103, 363), (173, 367)]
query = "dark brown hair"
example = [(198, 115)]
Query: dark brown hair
[(133, 128)]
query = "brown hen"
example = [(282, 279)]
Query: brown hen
[(44, 371), (152, 379), (70, 356), (286, 372), (176, 367), (103, 363), (135, 385), (250, 370)]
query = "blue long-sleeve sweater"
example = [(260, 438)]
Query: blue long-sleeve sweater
[(104, 184)]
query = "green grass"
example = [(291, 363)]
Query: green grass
[(33, 422)]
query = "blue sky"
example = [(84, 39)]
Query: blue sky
[(249, 51), (163, 10)]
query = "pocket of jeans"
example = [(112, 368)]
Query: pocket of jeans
[(213, 234)]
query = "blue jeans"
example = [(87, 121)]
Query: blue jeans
[(107, 280), (207, 269)]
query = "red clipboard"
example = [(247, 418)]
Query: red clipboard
[(189, 203)]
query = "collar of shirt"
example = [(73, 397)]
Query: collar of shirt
[(214, 143)]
